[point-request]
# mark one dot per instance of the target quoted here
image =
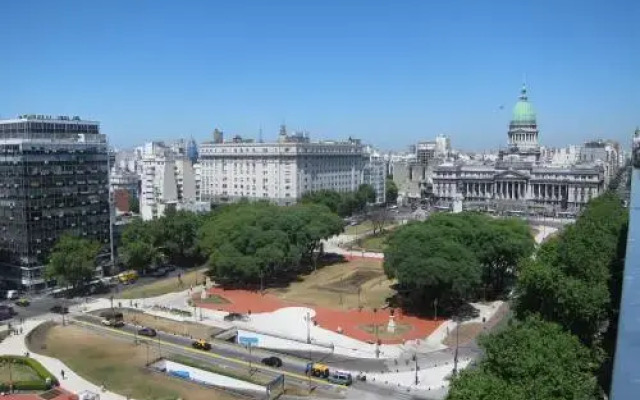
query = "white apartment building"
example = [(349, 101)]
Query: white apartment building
[(280, 172), (168, 180), (374, 173)]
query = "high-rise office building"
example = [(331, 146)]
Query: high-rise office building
[(54, 179)]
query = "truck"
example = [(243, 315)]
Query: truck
[(317, 369)]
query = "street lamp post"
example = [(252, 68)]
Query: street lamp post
[(455, 355), (415, 356), (308, 318)]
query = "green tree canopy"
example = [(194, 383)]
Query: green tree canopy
[(429, 266), (391, 191), (245, 242), (73, 260), (140, 245), (532, 359), (489, 247)]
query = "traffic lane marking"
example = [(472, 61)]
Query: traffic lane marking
[(214, 355)]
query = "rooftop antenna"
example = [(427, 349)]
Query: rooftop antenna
[(260, 135)]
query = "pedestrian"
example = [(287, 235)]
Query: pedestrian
[(62, 373)]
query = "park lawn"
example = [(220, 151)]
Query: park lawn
[(364, 226), (117, 364), (336, 286), (374, 244), (164, 286), (17, 372), (191, 329)]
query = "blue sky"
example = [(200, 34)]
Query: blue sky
[(390, 72)]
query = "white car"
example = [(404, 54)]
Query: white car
[(112, 322)]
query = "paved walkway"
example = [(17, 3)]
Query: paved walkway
[(15, 345), (351, 322)]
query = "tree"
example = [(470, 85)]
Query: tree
[(329, 198), (429, 266), (577, 275), (532, 359), (365, 194), (73, 261), (249, 242), (391, 191), (177, 233), (140, 246), (379, 216), (134, 204)]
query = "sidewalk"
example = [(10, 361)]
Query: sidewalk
[(15, 345)]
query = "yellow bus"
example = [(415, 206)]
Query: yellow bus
[(127, 277)]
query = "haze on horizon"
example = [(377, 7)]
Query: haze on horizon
[(391, 74)]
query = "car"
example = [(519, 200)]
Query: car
[(146, 331), (272, 362), (114, 323), (201, 345), (169, 267), (232, 316), (158, 273), (23, 303), (58, 309), (341, 378)]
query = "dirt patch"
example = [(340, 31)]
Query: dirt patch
[(348, 285), (351, 282), (118, 364), (191, 329)]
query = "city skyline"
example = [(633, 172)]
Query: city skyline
[(391, 76)]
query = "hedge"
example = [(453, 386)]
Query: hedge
[(41, 371)]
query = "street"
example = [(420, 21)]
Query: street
[(234, 356)]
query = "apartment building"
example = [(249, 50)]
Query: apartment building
[(53, 179), (374, 173), (281, 171), (168, 179)]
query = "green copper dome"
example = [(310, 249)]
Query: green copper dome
[(523, 112)]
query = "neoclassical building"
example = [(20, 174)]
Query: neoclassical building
[(519, 178)]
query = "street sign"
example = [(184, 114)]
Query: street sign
[(247, 340)]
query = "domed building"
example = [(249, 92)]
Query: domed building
[(523, 130), (518, 182)]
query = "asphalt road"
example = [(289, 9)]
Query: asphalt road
[(234, 356)]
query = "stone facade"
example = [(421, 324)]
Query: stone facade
[(520, 178)]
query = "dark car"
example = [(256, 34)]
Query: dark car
[(58, 309), (272, 362), (232, 316), (159, 272), (169, 267), (147, 332)]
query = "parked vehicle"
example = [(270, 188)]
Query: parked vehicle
[(6, 312), (201, 344), (341, 378), (58, 309), (23, 302), (273, 361), (232, 316), (317, 369), (146, 331), (13, 294), (128, 277), (158, 272), (114, 323)]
